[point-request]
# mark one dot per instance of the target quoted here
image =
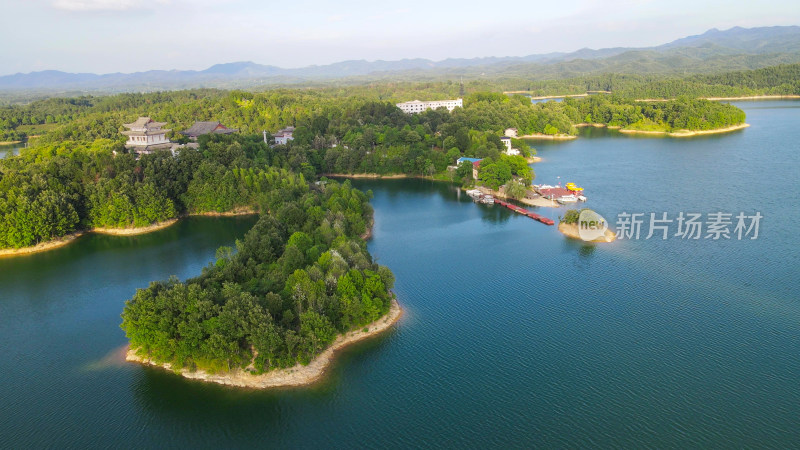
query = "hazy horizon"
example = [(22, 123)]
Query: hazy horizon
[(109, 36)]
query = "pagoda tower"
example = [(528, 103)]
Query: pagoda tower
[(146, 135)]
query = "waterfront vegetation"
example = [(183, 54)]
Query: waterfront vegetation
[(296, 280), (70, 178), (89, 117), (571, 216)]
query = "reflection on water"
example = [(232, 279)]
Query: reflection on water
[(10, 150)]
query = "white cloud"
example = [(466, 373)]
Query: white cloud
[(100, 5)]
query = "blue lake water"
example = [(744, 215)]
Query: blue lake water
[(513, 336), (11, 149)]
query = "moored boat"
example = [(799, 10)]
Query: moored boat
[(567, 199)]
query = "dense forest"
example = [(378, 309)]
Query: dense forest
[(79, 176), (89, 117), (296, 280), (53, 190), (775, 80)]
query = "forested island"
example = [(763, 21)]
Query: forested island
[(298, 279)]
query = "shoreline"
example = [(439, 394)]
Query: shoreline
[(756, 97), (717, 99), (64, 240), (298, 375), (134, 231), (42, 246), (235, 212), (677, 133), (377, 176), (367, 235), (689, 133), (4, 143), (686, 133), (597, 125), (552, 137), (394, 176), (571, 231)]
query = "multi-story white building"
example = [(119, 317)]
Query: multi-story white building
[(507, 142), (416, 106)]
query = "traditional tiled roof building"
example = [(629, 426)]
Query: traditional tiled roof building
[(146, 135), (284, 135), (201, 128)]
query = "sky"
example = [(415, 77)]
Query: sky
[(106, 36)]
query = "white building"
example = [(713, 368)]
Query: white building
[(416, 106), (283, 136), (511, 132), (146, 135), (507, 142)]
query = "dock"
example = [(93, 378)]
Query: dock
[(525, 212)]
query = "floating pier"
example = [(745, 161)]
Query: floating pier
[(525, 212)]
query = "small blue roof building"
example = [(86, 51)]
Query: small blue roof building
[(471, 160)]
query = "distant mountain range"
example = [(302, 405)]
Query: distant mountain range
[(715, 50)]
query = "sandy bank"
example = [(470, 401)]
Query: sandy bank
[(235, 212), (10, 142), (551, 137), (686, 133), (597, 125), (134, 231), (298, 375), (644, 132), (60, 242), (689, 133), (41, 247), (756, 97), (377, 176), (369, 175), (571, 231), (533, 159), (715, 99)]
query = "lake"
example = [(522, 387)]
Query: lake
[(10, 149), (513, 336)]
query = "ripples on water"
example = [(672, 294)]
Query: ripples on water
[(513, 336)]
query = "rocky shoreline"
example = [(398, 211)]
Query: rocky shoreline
[(299, 375)]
